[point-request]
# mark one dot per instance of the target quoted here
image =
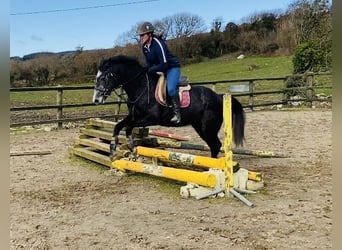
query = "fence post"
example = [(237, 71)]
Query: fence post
[(251, 91), (285, 92), (60, 108), (309, 81)]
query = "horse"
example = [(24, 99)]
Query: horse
[(204, 114)]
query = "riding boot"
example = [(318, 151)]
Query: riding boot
[(176, 109)]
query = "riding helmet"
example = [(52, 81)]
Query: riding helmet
[(144, 28)]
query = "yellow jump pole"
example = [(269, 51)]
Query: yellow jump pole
[(200, 178), (196, 160), (227, 145), (167, 156)]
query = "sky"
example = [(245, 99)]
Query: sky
[(64, 25)]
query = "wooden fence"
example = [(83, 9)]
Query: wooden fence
[(249, 91)]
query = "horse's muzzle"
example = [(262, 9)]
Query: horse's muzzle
[(97, 102), (97, 98)]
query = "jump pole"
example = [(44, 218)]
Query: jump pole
[(201, 178), (168, 135), (169, 156), (202, 147), (189, 159), (217, 180)]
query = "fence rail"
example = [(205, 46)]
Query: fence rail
[(252, 97)]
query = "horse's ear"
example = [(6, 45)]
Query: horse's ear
[(104, 62)]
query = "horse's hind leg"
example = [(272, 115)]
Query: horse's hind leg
[(209, 134), (129, 137), (214, 144)]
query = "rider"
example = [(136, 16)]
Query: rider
[(159, 59)]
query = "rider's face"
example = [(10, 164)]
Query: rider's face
[(144, 38)]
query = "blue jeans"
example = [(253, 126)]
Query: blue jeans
[(172, 77)]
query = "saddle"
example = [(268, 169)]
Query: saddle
[(161, 92)]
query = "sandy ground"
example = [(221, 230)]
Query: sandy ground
[(59, 202)]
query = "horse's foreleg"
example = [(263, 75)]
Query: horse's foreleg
[(113, 144), (112, 147)]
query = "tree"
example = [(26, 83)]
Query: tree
[(310, 57), (313, 26), (311, 19), (284, 36), (230, 35), (186, 25), (216, 37), (41, 75), (128, 37)]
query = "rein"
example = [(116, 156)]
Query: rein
[(147, 87), (142, 92)]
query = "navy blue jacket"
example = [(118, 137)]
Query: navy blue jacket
[(158, 56)]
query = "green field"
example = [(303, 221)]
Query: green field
[(228, 67), (223, 68)]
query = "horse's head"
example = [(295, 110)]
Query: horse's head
[(112, 74), (106, 81)]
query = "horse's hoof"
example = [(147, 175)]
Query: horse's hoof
[(131, 147), (113, 157), (134, 151)]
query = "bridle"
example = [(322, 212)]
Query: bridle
[(106, 91)]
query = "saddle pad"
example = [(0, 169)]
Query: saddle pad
[(160, 93), (185, 99)]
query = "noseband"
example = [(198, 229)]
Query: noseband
[(105, 91)]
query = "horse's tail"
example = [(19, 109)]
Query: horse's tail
[(238, 122)]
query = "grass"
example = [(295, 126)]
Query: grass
[(35, 98), (230, 68), (223, 68), (49, 97), (226, 67)]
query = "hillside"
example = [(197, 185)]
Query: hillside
[(229, 67)]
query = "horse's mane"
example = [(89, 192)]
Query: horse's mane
[(120, 59)]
